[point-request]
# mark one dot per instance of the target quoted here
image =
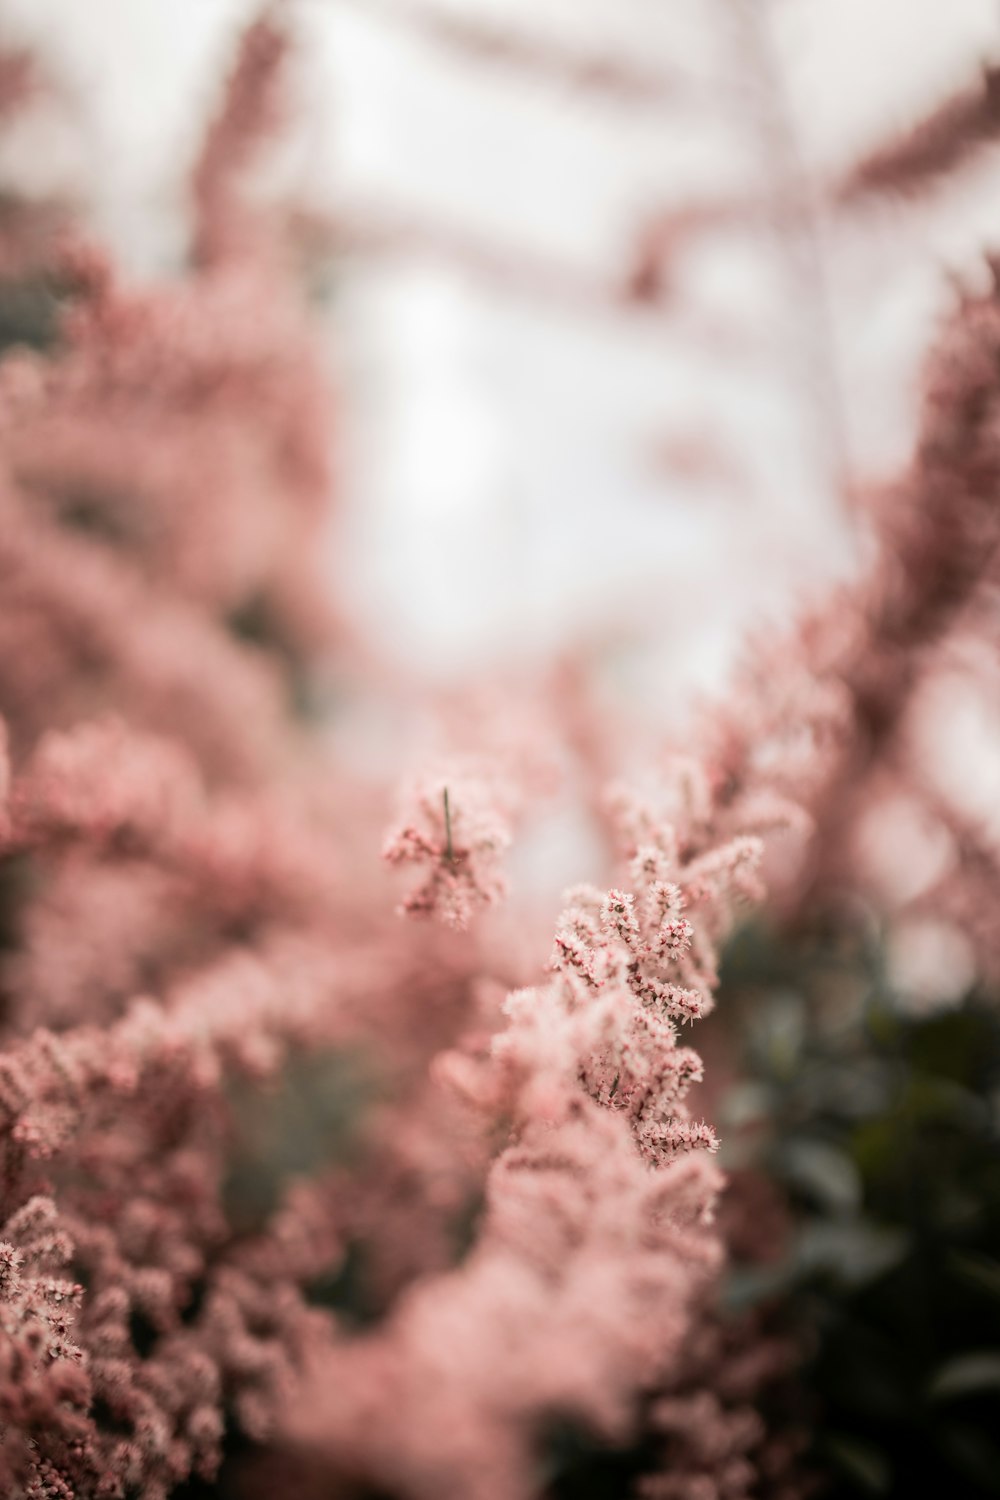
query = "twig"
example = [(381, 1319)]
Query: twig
[(449, 848)]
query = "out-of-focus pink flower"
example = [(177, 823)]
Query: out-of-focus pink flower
[(455, 831)]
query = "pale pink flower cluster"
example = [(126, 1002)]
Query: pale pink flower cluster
[(455, 831), (597, 1239)]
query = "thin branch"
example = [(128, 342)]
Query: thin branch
[(371, 232), (914, 162), (372, 229), (449, 848), (908, 167), (794, 214), (614, 80), (250, 111)]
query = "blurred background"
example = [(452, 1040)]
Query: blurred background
[(617, 325)]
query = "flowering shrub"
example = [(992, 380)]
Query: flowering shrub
[(391, 1207)]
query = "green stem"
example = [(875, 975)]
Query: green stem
[(449, 851)]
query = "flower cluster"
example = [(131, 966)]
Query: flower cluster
[(456, 831)]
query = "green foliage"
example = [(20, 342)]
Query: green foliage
[(312, 1117), (883, 1129), (29, 310)]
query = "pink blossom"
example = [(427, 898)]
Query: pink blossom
[(455, 831)]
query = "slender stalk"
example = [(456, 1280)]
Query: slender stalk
[(449, 848)]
